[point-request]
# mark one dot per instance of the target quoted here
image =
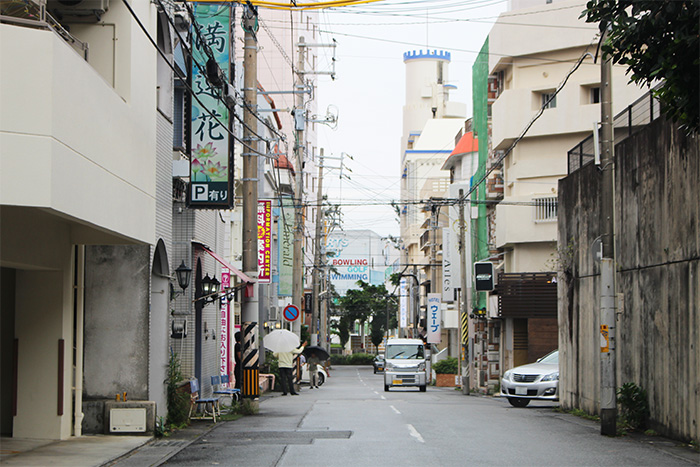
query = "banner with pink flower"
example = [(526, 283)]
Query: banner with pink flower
[(211, 176)]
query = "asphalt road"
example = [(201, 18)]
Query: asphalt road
[(351, 421)]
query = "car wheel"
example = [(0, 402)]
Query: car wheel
[(518, 401), (375, 371), (422, 388), (321, 379), (386, 388)]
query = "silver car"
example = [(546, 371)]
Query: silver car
[(539, 380)]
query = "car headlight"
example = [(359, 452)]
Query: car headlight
[(388, 366), (506, 375), (421, 367), (551, 377)]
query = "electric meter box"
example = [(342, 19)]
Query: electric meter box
[(127, 420)]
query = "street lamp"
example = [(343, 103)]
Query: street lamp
[(183, 274), (210, 288)]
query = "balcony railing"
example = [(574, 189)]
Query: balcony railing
[(642, 112), (32, 14)]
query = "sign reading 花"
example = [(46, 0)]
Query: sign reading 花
[(210, 146), (264, 240), (434, 318)]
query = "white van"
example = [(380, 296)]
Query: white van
[(404, 363)]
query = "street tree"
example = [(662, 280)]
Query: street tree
[(656, 40), (366, 304)]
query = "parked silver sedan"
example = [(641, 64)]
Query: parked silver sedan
[(539, 380)]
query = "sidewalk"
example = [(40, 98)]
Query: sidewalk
[(102, 450)]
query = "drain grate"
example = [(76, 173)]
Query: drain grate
[(280, 437)]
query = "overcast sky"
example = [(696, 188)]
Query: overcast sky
[(369, 91)]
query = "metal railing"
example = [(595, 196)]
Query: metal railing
[(636, 116), (33, 14)]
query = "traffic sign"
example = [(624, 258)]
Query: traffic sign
[(291, 313), (483, 275)]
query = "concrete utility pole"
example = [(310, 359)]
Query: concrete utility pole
[(249, 309), (464, 293), (299, 126), (608, 383), (316, 334)]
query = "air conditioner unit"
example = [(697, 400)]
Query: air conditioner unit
[(78, 9), (273, 313)]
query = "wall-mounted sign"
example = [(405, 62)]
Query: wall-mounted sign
[(264, 241), (211, 148), (285, 263), (483, 276), (434, 318)]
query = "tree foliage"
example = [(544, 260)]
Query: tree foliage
[(656, 40), (367, 304)]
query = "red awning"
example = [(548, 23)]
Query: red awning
[(226, 264)]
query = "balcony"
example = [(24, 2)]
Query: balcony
[(87, 152)]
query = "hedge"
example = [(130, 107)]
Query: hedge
[(354, 359)]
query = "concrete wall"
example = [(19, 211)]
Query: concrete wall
[(658, 278), (116, 326)]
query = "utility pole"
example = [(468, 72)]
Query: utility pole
[(249, 309), (464, 293), (608, 383), (299, 125), (316, 333)]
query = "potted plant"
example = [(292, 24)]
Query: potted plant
[(445, 372)]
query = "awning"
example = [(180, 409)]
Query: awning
[(226, 264)]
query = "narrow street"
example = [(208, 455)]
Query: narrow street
[(351, 421)]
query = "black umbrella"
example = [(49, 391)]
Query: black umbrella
[(320, 352)]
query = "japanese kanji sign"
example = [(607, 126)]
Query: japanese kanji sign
[(264, 240), (211, 162), (434, 318)]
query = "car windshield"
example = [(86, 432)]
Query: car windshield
[(405, 351), (552, 358), (379, 358)]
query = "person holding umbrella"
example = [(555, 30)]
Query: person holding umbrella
[(315, 355), (286, 365)]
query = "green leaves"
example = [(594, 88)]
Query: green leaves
[(656, 40)]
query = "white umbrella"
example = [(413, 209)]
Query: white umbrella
[(281, 340)]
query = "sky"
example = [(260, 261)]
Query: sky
[(368, 92)]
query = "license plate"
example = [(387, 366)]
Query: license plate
[(397, 381), (520, 391)]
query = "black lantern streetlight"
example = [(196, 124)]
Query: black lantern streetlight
[(183, 274), (206, 285)]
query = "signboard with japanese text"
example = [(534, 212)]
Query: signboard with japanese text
[(434, 318), (403, 302), (285, 235), (225, 364), (264, 241), (210, 146)]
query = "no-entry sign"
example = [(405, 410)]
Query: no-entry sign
[(291, 312)]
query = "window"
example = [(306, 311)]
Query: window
[(545, 209), (549, 100), (595, 95)]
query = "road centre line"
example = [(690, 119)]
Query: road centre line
[(395, 409), (412, 430)]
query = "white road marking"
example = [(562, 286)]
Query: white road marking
[(375, 392), (383, 398), (412, 430), (395, 409)]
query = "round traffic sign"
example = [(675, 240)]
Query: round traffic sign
[(291, 312)]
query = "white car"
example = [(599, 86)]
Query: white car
[(322, 375), (539, 380)]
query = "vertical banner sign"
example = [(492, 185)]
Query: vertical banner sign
[(264, 241), (211, 174), (403, 302), (286, 248), (434, 321), (224, 344), (448, 266)]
